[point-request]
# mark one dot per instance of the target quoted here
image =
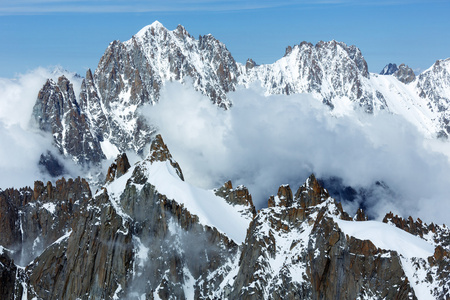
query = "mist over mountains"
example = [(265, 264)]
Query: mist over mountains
[(376, 142)]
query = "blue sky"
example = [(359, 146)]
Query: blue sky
[(74, 34)]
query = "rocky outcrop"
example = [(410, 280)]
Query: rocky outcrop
[(329, 69), (433, 85), (328, 264), (436, 269), (438, 234), (91, 105), (250, 64), (8, 271), (33, 219), (180, 253), (389, 69), (92, 260), (238, 196), (57, 112), (130, 240), (405, 74), (160, 152), (118, 168)]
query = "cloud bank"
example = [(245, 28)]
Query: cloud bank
[(263, 142), (21, 145)]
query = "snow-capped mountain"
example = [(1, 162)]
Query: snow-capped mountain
[(132, 73), (57, 111), (147, 234), (332, 71), (389, 69)]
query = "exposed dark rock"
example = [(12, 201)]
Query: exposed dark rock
[(119, 167), (160, 152), (405, 74), (8, 271), (56, 111), (360, 215), (250, 64), (311, 193), (51, 164), (333, 262), (238, 196), (389, 69)]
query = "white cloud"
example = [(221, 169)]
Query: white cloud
[(18, 94), (22, 146), (263, 142)]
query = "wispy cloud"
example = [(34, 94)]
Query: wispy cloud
[(263, 142), (22, 7), (21, 145)]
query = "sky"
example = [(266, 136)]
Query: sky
[(297, 138), (75, 33)]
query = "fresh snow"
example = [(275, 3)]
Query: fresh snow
[(388, 237), (403, 100), (210, 209), (117, 292), (109, 149), (50, 207), (414, 274)]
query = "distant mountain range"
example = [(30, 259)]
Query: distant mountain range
[(148, 234), (132, 73)]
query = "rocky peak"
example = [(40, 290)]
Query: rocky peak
[(238, 196), (330, 69), (389, 69), (340, 50), (438, 234), (66, 88), (56, 111), (360, 215), (250, 64), (181, 31), (288, 51), (283, 197), (311, 193), (119, 167), (160, 152), (405, 74)]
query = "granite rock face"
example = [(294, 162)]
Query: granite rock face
[(328, 69), (405, 74), (433, 85), (105, 118), (278, 263), (131, 240), (389, 69), (57, 112)]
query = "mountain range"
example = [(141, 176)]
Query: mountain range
[(146, 233)]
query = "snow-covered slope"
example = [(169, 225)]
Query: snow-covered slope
[(210, 209), (132, 73), (331, 70), (149, 234), (403, 100)]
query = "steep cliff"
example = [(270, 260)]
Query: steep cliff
[(149, 234)]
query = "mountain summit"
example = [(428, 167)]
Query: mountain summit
[(132, 73), (149, 234)]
